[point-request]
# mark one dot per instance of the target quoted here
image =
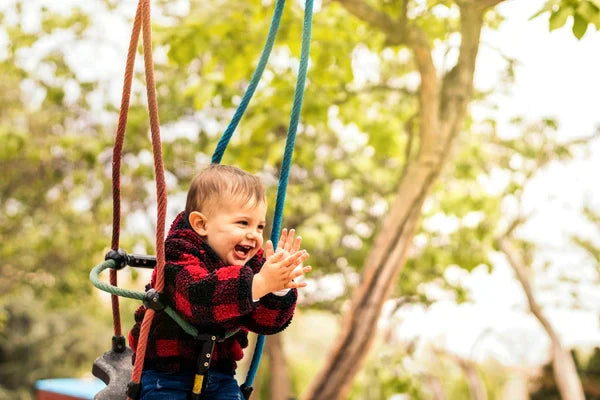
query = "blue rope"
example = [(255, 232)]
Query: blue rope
[(287, 162), (262, 63), (291, 135)]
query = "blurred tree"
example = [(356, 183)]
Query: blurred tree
[(54, 200), (519, 254), (588, 368), (477, 200)]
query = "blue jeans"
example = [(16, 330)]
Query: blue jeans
[(165, 386)]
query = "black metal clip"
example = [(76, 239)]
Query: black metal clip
[(118, 344), (119, 257), (246, 390), (122, 259), (152, 299), (142, 261)]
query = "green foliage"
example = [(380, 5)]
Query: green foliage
[(590, 246), (385, 376), (38, 342), (583, 13), (462, 217)]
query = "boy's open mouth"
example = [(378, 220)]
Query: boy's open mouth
[(243, 250)]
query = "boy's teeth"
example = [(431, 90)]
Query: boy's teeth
[(243, 248)]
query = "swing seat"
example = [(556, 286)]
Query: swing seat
[(114, 369)]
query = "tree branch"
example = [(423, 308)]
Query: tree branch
[(457, 87), (381, 87), (518, 266), (397, 31), (480, 4), (371, 16), (400, 32), (565, 371)]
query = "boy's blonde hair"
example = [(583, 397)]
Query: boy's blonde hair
[(220, 182)]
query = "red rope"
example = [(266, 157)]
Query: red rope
[(161, 192), (116, 160), (143, 19)]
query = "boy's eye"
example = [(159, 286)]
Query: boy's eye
[(261, 227), (243, 223)]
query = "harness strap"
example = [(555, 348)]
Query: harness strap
[(202, 365)]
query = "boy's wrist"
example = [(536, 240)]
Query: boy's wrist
[(259, 287)]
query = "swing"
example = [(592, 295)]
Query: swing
[(114, 366)]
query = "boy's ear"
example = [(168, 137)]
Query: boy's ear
[(198, 222)]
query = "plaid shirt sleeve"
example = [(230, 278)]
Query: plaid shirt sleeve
[(203, 295), (273, 313)]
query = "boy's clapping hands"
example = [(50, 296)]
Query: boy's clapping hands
[(282, 266)]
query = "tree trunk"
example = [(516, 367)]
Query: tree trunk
[(443, 106), (280, 385), (563, 366)]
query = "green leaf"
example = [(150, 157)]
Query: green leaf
[(559, 18), (588, 11), (579, 26), (547, 8)]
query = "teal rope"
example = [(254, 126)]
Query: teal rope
[(287, 162), (264, 57), (95, 279)]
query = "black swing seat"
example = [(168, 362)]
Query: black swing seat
[(114, 369)]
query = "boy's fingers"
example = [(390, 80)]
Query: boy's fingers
[(282, 238), (297, 244), (295, 285), (301, 271), (278, 256), (269, 249), (289, 239), (294, 260)]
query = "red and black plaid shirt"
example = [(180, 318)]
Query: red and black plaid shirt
[(212, 296)]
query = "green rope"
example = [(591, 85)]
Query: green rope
[(95, 279)]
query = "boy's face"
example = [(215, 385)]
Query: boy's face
[(234, 230)]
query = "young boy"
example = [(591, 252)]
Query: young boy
[(219, 279)]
